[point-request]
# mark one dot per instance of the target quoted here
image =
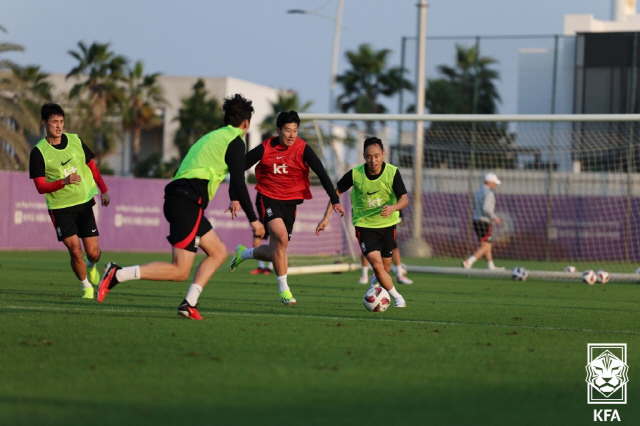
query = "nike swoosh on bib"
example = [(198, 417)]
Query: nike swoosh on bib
[(64, 163), (371, 193)]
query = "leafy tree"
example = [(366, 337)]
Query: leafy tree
[(14, 116), (197, 117), (142, 96), (100, 71), (368, 80)]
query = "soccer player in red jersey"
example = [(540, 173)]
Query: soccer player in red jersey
[(282, 172)]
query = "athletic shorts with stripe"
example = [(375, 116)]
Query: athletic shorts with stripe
[(187, 222), (75, 220), (482, 230), (270, 208)]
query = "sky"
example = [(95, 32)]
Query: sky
[(258, 41)]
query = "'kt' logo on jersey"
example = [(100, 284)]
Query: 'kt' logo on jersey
[(279, 169), (375, 202)]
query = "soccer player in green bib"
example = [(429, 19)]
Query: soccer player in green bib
[(377, 197), (214, 156), (62, 168)]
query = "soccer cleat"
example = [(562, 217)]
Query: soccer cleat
[(187, 311), (404, 280), (287, 298), (237, 258), (87, 293), (363, 280), (108, 281), (466, 264), (400, 303), (92, 273), (258, 271)]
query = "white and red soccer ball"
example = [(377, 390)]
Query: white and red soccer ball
[(602, 276), (570, 268), (589, 277), (376, 299), (519, 273)]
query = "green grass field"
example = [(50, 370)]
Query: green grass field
[(465, 351)]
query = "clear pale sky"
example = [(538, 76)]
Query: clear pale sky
[(256, 40)]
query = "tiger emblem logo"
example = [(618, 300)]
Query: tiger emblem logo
[(607, 373)]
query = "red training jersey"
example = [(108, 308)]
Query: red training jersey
[(282, 173)]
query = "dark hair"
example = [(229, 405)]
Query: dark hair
[(236, 109), (50, 109), (372, 141), (287, 117)]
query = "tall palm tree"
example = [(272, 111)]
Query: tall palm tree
[(197, 116), (100, 71), (14, 117), (34, 86), (467, 88), (368, 80), (142, 96)]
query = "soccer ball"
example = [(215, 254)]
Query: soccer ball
[(570, 268), (589, 277), (377, 299), (519, 273), (603, 276)]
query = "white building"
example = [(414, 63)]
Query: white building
[(175, 89)]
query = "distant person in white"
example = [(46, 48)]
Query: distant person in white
[(484, 203)]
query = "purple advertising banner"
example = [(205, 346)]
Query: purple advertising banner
[(580, 227), (134, 220)]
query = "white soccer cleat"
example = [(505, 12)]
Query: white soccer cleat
[(466, 264), (400, 303), (363, 280)]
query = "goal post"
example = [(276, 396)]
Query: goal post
[(570, 191)]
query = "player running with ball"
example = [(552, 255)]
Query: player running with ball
[(377, 197)]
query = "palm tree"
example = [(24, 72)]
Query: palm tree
[(143, 95), (34, 87), (467, 88), (14, 117), (100, 71), (197, 117), (368, 80)]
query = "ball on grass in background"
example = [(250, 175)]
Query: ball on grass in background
[(570, 268), (519, 273), (602, 276), (589, 277), (376, 299)]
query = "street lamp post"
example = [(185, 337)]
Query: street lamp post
[(336, 45)]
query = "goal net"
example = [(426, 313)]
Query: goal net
[(570, 189)]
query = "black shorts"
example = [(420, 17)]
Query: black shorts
[(75, 220), (377, 239), (187, 222), (483, 230), (260, 218), (269, 209)]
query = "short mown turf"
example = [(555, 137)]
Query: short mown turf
[(465, 351)]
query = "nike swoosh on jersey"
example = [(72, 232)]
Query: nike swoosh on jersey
[(371, 193), (277, 158), (65, 162)]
